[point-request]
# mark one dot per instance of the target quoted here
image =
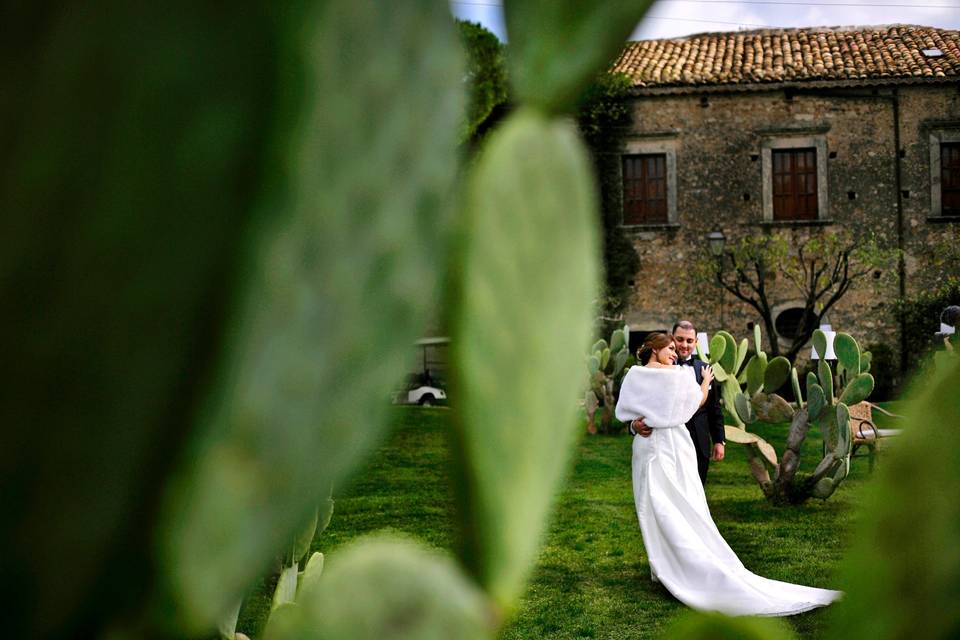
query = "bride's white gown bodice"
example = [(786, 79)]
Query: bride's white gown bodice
[(685, 549)]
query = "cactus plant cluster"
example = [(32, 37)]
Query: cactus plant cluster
[(829, 395), (292, 579), (606, 366), (828, 407)]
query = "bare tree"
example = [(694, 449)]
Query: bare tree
[(821, 269)]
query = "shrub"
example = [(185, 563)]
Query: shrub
[(921, 320)]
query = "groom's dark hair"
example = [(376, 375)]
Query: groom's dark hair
[(683, 324)]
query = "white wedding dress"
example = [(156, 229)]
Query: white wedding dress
[(686, 551)]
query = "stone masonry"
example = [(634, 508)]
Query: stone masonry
[(717, 138)]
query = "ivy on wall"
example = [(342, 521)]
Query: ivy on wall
[(938, 270), (604, 119)]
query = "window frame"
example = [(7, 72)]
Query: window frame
[(796, 196), (779, 143), (643, 161), (645, 147), (937, 140)]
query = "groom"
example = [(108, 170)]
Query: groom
[(707, 423)]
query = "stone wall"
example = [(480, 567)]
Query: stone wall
[(925, 111), (718, 141)]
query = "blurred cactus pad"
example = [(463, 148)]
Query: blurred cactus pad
[(830, 393), (222, 233), (902, 575)]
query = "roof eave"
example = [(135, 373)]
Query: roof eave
[(744, 87)]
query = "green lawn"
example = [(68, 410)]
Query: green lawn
[(592, 579)]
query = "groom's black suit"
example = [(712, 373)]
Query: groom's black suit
[(706, 423)]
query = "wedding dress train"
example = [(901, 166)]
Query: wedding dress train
[(686, 551)]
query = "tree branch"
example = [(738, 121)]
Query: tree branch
[(739, 276), (845, 283), (842, 265), (799, 280)]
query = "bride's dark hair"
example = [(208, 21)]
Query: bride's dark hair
[(654, 341)]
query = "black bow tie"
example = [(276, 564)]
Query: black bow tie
[(688, 363)]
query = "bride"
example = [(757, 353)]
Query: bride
[(686, 551)]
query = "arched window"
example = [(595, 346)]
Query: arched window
[(788, 322)]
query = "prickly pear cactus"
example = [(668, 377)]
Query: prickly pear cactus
[(606, 366), (727, 360), (829, 409), (293, 580), (829, 396)]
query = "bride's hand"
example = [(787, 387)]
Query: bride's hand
[(707, 373)]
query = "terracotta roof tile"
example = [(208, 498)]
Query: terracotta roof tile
[(793, 55)]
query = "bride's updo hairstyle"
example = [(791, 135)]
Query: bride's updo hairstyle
[(654, 342)]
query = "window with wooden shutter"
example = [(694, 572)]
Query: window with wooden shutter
[(794, 184), (645, 189), (950, 178)]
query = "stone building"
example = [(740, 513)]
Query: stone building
[(797, 132)]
